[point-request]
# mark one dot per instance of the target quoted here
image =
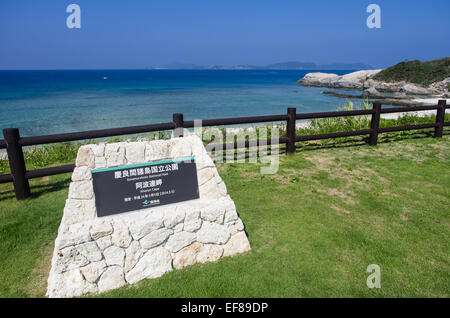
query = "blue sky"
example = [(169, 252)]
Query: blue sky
[(143, 33)]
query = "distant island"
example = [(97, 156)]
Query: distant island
[(275, 66)]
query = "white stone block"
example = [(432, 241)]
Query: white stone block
[(82, 173), (93, 271), (69, 239), (100, 162), (121, 236), (235, 226), (76, 211), (141, 226), (104, 242), (156, 150), (112, 278), (135, 152), (213, 213), (205, 175), (69, 284), (213, 233), (81, 190), (100, 229), (115, 154), (155, 238), (114, 256), (179, 240), (69, 258), (154, 263), (238, 243), (98, 149), (132, 255), (173, 217), (180, 148), (85, 157), (197, 253), (91, 251)]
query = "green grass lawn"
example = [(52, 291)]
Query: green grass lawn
[(333, 208)]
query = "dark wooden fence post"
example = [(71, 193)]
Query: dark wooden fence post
[(290, 130), (440, 116), (16, 163), (375, 124), (178, 121)]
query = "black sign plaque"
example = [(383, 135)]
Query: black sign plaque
[(129, 188)]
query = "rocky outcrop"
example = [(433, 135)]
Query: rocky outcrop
[(363, 80), (355, 80)]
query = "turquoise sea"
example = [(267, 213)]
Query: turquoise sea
[(51, 102)]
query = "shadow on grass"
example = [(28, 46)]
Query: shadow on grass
[(351, 142), (38, 190)]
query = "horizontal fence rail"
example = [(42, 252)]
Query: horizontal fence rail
[(13, 143), (92, 134)]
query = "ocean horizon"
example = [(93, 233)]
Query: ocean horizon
[(41, 102)]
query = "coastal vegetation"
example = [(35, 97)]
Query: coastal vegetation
[(333, 208), (417, 72), (64, 153)]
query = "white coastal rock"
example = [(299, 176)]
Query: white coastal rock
[(355, 79), (416, 90), (352, 80)]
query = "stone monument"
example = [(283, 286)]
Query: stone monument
[(96, 253)]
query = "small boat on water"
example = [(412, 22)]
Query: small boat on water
[(105, 77)]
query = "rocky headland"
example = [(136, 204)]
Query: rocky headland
[(392, 90)]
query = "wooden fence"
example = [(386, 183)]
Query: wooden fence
[(20, 175)]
